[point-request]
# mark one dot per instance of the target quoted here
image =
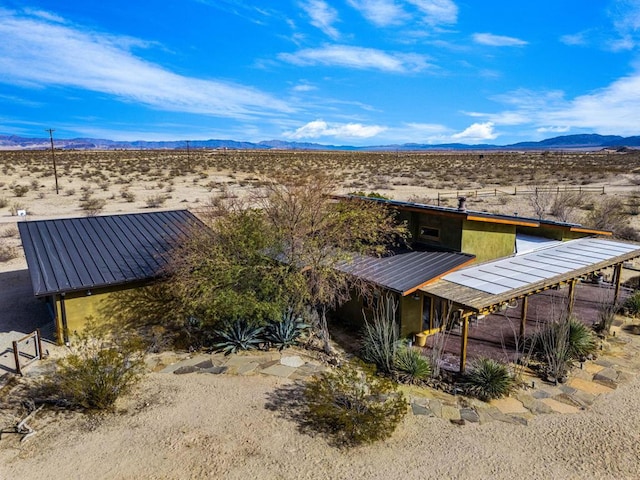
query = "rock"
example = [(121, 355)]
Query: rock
[(294, 361), (450, 413), (607, 377), (186, 369), (421, 410), (436, 407), (457, 422), (214, 370), (469, 415)]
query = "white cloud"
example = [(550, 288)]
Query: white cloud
[(476, 132), (36, 53), (320, 128), (304, 87), (323, 16), (437, 11), (357, 57), (380, 12), (574, 39), (611, 110), (497, 40)]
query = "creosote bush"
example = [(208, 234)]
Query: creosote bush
[(488, 379), (353, 405), (103, 366)]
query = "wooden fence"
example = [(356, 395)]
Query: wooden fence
[(518, 191), (27, 350)]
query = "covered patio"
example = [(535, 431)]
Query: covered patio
[(515, 288)]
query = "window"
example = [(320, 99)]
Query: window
[(429, 232)]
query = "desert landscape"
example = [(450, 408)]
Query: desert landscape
[(219, 426)]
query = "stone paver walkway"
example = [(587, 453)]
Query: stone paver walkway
[(619, 361)]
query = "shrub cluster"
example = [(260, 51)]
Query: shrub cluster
[(102, 367), (354, 405)]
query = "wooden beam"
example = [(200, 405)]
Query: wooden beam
[(463, 343), (523, 316), (572, 295), (618, 280)]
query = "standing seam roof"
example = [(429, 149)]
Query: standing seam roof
[(65, 255)]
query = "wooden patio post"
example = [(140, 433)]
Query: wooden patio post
[(572, 295), (618, 280), (463, 342), (523, 316)]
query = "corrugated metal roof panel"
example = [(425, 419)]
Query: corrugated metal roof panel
[(500, 276), (405, 272), (65, 255)]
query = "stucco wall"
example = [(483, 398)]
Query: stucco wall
[(488, 241)]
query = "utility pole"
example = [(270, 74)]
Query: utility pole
[(188, 157), (53, 157)]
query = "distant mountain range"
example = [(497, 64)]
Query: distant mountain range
[(567, 142)]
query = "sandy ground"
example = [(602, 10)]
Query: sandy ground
[(218, 426)]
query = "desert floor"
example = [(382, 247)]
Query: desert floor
[(218, 426)]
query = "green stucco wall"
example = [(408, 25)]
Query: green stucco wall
[(450, 229), (488, 241)]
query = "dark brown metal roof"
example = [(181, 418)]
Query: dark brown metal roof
[(66, 255), (406, 272)]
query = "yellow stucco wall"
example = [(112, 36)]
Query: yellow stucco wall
[(80, 307), (488, 241), (410, 316)]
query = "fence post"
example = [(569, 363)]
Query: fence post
[(515, 190), (39, 343), (603, 190), (16, 357), (438, 198), (495, 192)]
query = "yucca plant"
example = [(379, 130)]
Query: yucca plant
[(286, 332), (632, 304), (411, 366), (488, 379), (240, 335), (582, 341)]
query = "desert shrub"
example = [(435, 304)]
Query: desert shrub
[(560, 343), (4, 202), (410, 366), (240, 335), (156, 201), (380, 340), (92, 206), (128, 195), (69, 192), (354, 405), (286, 332), (488, 379), (20, 190), (361, 193), (16, 207), (9, 232), (102, 367), (7, 252), (632, 304)]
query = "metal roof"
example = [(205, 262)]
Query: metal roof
[(405, 272), (490, 283), (65, 255)]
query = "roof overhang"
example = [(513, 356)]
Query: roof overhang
[(404, 273), (481, 288)]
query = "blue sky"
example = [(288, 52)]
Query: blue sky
[(340, 72)]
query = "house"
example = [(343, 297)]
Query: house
[(467, 264), (75, 264)]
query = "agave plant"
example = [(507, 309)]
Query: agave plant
[(410, 366), (286, 332), (582, 341), (488, 379), (240, 335)]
